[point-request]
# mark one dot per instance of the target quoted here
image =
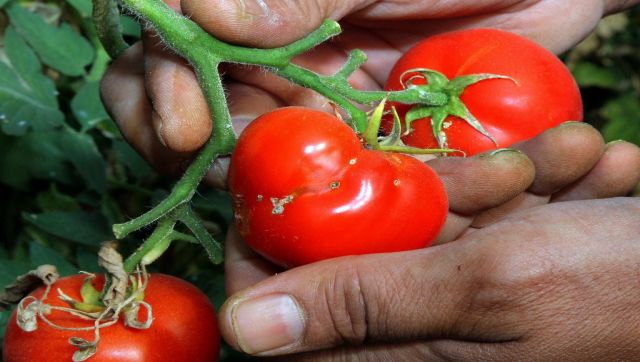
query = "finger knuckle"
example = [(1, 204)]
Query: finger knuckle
[(346, 305)]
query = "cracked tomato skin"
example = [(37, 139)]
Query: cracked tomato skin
[(184, 328), (543, 95), (305, 189)]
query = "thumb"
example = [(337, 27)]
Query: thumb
[(346, 301), (265, 23)]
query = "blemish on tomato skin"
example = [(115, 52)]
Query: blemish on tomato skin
[(259, 198), (353, 161), (334, 185), (278, 204), (396, 182)]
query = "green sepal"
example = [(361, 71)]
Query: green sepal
[(458, 109), (81, 306), (458, 84), (88, 293), (434, 78), (438, 82), (370, 134), (437, 125), (394, 137), (134, 287), (415, 113)]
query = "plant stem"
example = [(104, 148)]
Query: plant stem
[(211, 246), (221, 142), (161, 232), (106, 18)]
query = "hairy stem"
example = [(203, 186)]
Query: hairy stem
[(221, 142), (106, 17), (211, 246), (160, 233)]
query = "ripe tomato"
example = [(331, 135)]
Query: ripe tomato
[(184, 328), (305, 189), (541, 94)]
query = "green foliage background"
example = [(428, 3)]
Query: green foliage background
[(66, 174)]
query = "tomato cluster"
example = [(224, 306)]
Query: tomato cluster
[(306, 189)]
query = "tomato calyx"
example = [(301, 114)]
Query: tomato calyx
[(393, 141), (434, 81), (122, 296)]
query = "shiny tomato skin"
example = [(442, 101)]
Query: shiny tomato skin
[(184, 328), (543, 95), (344, 199)]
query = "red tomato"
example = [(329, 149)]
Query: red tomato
[(184, 328), (305, 189), (543, 95)]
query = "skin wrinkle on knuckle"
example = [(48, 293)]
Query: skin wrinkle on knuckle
[(347, 305)]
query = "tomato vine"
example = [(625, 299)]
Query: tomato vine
[(205, 53)]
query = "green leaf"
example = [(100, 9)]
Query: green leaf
[(27, 97), (83, 153), (110, 209), (130, 27), (81, 227), (623, 115), (87, 261), (138, 167), (53, 200), (10, 269), (211, 282), (2, 3), (33, 156), (590, 75), (209, 199), (84, 7), (61, 48), (41, 254), (87, 106)]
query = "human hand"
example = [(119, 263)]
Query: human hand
[(566, 163), (557, 282), (155, 98)]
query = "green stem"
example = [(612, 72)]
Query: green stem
[(337, 89), (211, 246), (161, 232), (189, 40), (309, 79), (221, 142), (176, 235), (106, 18)]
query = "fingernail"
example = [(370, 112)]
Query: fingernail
[(574, 123), (504, 150), (267, 323), (613, 143)]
